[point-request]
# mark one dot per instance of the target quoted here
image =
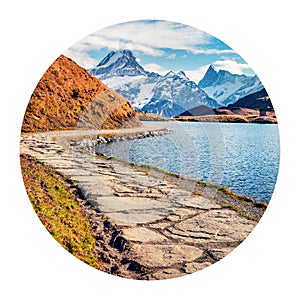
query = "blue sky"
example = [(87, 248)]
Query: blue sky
[(160, 46)]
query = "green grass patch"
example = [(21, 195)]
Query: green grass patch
[(58, 210)]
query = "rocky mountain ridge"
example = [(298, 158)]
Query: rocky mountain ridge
[(226, 87), (166, 95), (118, 63)]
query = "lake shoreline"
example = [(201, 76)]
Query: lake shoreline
[(251, 119), (85, 138), (143, 218), (221, 153)]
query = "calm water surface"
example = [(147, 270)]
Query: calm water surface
[(244, 157)]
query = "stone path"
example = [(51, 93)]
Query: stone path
[(156, 228)]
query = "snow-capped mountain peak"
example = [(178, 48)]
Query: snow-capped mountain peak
[(226, 87), (182, 75), (214, 68), (210, 77), (118, 63), (168, 95), (170, 74), (110, 59)]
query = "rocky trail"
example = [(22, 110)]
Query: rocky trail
[(146, 226)]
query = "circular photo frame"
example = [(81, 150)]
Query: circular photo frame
[(150, 150)]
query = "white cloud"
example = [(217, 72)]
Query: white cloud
[(232, 66), (171, 56), (198, 74), (156, 34), (148, 37), (151, 67), (81, 58)]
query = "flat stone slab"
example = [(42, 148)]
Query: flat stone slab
[(218, 254), (94, 190), (193, 267), (197, 202), (137, 217), (176, 193), (128, 204), (160, 225), (165, 255), (121, 188), (167, 274), (75, 172), (92, 178), (144, 235), (223, 225), (170, 230), (183, 212)]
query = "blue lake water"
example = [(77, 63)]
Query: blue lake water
[(244, 157)]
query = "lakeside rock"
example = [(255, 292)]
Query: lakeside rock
[(91, 143)]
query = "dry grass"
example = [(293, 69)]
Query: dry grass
[(229, 119), (67, 97), (152, 117), (214, 118), (58, 210)]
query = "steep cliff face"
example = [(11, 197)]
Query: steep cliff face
[(68, 97)]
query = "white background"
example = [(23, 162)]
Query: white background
[(34, 33)]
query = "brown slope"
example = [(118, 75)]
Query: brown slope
[(68, 97)]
